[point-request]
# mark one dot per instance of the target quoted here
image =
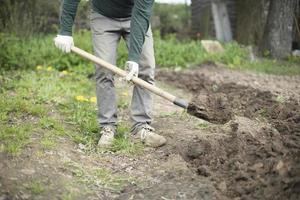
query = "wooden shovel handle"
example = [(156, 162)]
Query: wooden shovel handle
[(136, 80)]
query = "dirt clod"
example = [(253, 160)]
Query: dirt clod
[(256, 154), (210, 108)]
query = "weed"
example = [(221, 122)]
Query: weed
[(215, 88), (263, 112), (280, 99), (107, 179), (168, 114), (123, 103), (36, 187), (203, 125), (76, 169), (3, 116), (67, 196), (184, 115), (97, 177), (82, 116), (39, 154), (122, 143), (50, 123)]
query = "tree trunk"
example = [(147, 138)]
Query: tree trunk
[(278, 33), (221, 21), (251, 19)]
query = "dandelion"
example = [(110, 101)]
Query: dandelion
[(93, 99), (39, 67), (81, 98), (50, 68), (65, 72), (125, 94)]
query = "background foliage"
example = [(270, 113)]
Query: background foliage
[(28, 28)]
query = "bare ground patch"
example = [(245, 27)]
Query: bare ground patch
[(256, 154)]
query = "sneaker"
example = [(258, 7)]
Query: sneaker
[(107, 136), (149, 137)]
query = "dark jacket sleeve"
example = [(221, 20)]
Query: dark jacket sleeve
[(67, 16), (140, 21)]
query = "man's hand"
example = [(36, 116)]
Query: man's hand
[(132, 68), (64, 43)]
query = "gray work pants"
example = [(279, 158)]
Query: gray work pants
[(106, 34)]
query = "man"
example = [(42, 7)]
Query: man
[(112, 20)]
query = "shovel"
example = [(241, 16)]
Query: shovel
[(192, 108)]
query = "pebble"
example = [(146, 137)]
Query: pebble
[(28, 171), (4, 197), (81, 146), (296, 53), (281, 168), (1, 165), (222, 186)]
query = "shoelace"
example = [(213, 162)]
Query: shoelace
[(146, 131), (106, 131)]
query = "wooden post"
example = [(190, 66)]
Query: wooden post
[(221, 21)]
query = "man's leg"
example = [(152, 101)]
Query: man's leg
[(105, 35), (141, 104)]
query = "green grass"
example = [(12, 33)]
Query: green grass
[(62, 106), (18, 53), (15, 137), (268, 66), (20, 106), (49, 89)]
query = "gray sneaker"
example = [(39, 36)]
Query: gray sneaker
[(107, 136), (147, 135)]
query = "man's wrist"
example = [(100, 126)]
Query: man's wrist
[(65, 33), (133, 57), (132, 62)]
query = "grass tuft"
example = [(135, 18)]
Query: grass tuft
[(48, 143), (106, 178), (203, 125), (123, 143), (36, 187), (15, 137)]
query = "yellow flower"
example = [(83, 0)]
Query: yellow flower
[(125, 94), (50, 68), (81, 98), (65, 72), (39, 67), (93, 99)]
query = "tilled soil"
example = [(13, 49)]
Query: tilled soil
[(256, 155)]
